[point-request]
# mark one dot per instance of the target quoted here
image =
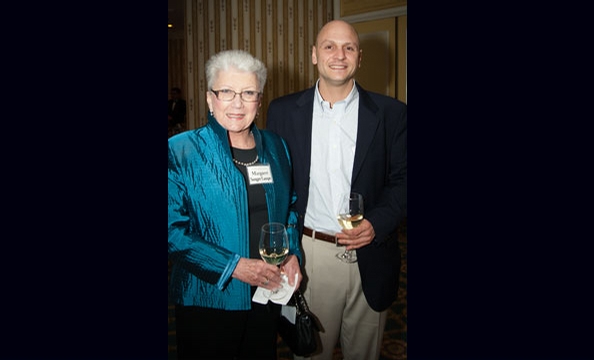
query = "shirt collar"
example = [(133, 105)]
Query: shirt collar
[(351, 97)]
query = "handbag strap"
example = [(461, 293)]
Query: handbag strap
[(300, 303)]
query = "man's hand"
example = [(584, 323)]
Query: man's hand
[(357, 237)]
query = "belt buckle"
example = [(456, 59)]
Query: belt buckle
[(336, 241)]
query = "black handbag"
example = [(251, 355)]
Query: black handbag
[(301, 337)]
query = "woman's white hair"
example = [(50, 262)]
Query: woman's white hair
[(235, 59)]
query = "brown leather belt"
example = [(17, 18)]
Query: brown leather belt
[(319, 235)]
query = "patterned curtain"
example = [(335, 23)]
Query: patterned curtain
[(278, 32)]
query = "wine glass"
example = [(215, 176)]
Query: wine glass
[(274, 249), (350, 215)]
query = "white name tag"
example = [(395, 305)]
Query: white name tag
[(259, 174)]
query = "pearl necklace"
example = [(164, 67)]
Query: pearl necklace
[(246, 164)]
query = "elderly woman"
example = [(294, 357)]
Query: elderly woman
[(216, 211)]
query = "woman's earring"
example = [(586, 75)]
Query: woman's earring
[(210, 112)]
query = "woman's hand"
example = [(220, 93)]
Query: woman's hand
[(291, 267), (258, 273)]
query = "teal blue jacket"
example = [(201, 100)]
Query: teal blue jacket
[(208, 226)]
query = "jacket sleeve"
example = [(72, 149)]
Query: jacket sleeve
[(205, 260), (391, 208)]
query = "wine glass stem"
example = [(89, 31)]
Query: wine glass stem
[(275, 291)]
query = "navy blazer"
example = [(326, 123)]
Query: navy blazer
[(379, 173)]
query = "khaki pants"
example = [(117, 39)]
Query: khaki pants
[(335, 296)]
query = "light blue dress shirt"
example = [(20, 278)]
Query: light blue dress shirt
[(334, 138)]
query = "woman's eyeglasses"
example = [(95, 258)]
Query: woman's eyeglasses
[(229, 95)]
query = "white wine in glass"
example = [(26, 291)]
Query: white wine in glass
[(274, 249), (350, 215)]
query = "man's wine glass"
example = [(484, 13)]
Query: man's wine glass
[(350, 215), (274, 249)]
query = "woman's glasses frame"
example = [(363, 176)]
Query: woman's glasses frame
[(229, 95)]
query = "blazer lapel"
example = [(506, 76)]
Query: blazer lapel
[(304, 117), (366, 129)]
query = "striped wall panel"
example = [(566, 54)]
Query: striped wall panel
[(278, 32)]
